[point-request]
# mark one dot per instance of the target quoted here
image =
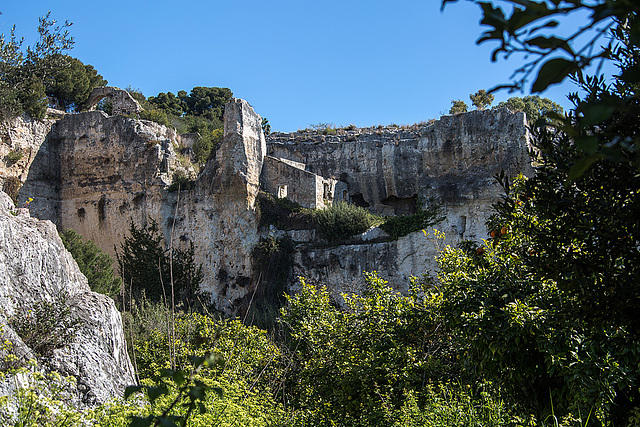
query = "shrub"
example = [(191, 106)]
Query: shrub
[(182, 182), (47, 326), (342, 220), (13, 156), (155, 115), (96, 265), (399, 226), (350, 364)]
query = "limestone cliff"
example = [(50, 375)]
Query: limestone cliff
[(96, 174), (35, 267), (20, 141), (452, 161)]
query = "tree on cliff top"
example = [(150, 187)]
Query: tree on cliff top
[(458, 106), (23, 72), (534, 107), (481, 99), (70, 82)]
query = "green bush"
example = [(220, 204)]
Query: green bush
[(96, 265), (48, 325), (399, 226), (13, 156), (342, 220), (155, 115), (351, 364), (182, 182)]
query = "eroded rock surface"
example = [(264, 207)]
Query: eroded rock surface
[(96, 174), (35, 267)]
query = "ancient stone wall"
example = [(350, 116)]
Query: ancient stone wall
[(289, 179), (122, 103)]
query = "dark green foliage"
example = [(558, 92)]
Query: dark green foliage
[(23, 73), (342, 220), (399, 226), (96, 265), (48, 325), (266, 127), (208, 102), (534, 106), (171, 104), (70, 82), (149, 269)]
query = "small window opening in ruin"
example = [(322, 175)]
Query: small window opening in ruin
[(282, 191), (327, 195), (81, 213), (345, 195)]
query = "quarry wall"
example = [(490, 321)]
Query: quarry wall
[(97, 174)]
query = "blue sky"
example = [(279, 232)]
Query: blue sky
[(296, 62)]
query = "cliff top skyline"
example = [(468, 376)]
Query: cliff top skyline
[(297, 63)]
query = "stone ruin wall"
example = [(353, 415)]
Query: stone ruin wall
[(96, 173)]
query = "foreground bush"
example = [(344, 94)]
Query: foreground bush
[(352, 364)]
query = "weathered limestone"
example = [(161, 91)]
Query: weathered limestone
[(34, 267), (97, 174), (452, 161), (121, 101), (20, 137)]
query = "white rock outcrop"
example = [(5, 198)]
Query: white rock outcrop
[(35, 267)]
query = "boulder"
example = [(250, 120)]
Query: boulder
[(35, 267)]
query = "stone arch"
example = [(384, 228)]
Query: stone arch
[(122, 101)]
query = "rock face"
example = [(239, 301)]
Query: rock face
[(452, 161), (96, 174), (20, 141), (35, 267)]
